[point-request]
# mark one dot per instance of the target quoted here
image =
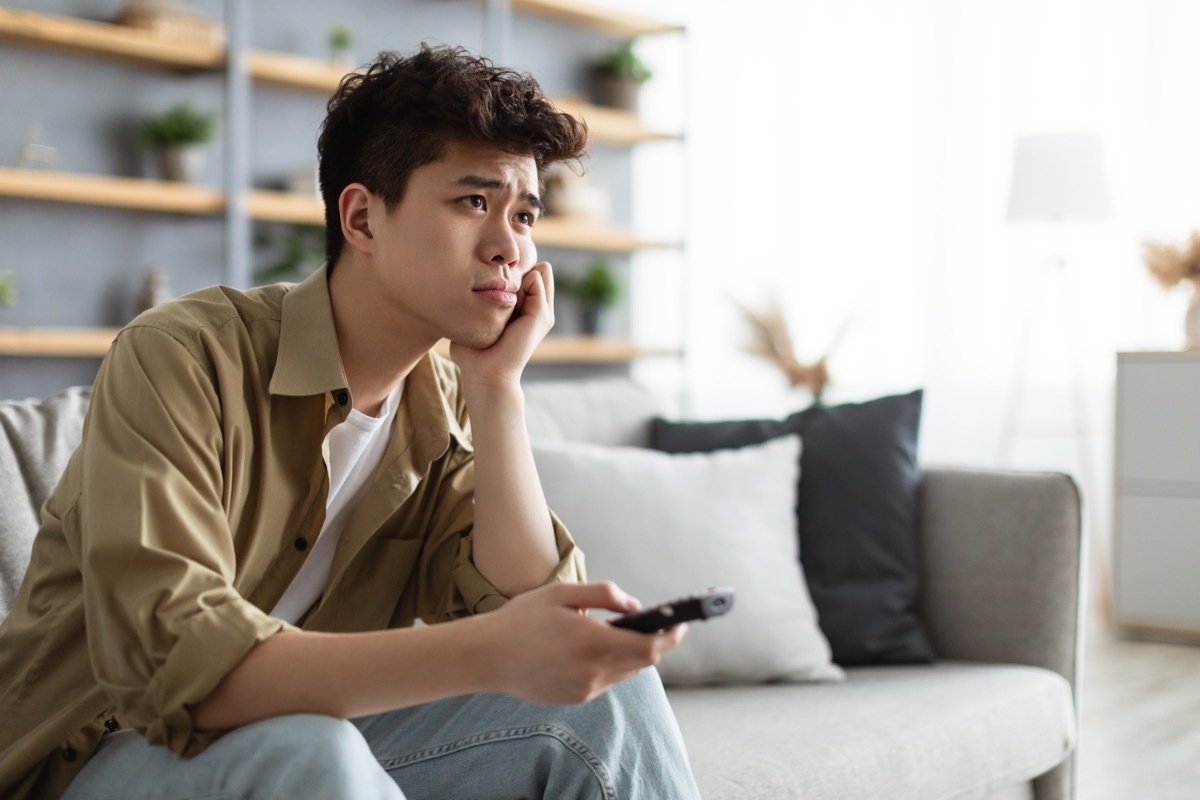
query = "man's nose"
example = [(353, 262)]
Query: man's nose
[(501, 245)]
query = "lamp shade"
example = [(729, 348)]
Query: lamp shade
[(1057, 177)]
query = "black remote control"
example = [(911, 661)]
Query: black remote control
[(710, 603)]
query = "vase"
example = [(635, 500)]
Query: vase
[(342, 58), (618, 92), (1191, 320), (591, 319), (182, 163)]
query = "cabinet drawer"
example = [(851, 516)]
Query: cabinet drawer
[(1157, 560), (1158, 422)]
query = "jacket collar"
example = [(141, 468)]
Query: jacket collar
[(308, 361)]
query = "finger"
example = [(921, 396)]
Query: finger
[(601, 594), (536, 300), (544, 269), (672, 637)]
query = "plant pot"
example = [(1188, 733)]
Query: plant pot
[(343, 58), (591, 319), (617, 92), (182, 163)]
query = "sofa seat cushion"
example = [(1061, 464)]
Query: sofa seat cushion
[(950, 730)]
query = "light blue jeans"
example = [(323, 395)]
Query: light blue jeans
[(624, 745)]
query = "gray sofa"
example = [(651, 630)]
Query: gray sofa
[(994, 718)]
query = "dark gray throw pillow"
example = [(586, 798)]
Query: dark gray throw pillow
[(855, 513)]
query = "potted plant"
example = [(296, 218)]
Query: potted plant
[(295, 252), (341, 43), (619, 77), (178, 135), (596, 290)]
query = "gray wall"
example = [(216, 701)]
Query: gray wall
[(81, 265)]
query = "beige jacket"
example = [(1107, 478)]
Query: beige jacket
[(191, 504)]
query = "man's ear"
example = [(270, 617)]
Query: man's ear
[(354, 206)]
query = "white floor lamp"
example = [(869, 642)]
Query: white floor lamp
[(1057, 178)]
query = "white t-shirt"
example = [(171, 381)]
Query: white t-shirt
[(355, 449)]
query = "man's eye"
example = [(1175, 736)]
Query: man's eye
[(475, 201), (525, 218)]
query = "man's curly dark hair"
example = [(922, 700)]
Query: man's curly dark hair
[(401, 112)]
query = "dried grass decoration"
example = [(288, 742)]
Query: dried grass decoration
[(171, 19), (1172, 264), (773, 341)]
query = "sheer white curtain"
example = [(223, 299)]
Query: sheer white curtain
[(852, 158)]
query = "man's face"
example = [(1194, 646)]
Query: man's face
[(452, 253)]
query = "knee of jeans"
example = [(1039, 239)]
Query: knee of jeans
[(645, 687), (314, 748)]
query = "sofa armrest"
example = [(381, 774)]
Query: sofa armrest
[(1002, 556), (1001, 567)]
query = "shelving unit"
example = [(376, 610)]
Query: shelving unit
[(129, 45)]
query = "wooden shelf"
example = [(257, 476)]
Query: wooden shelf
[(589, 350), (94, 342), (585, 235), (114, 192), (294, 72), (605, 125), (74, 35), (266, 205), (270, 206), (598, 18), (582, 350), (59, 342), (262, 204), (611, 125)]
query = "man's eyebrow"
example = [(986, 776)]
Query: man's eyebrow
[(480, 182)]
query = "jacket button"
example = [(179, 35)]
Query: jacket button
[(69, 754), (301, 544), (111, 725), (343, 397)]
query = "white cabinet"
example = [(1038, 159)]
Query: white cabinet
[(1156, 533)]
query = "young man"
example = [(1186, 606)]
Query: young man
[(273, 485)]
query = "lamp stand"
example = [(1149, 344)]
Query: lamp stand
[(1016, 425)]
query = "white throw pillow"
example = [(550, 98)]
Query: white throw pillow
[(666, 525)]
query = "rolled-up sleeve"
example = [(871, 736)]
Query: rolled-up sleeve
[(165, 624), (449, 583), (478, 594)]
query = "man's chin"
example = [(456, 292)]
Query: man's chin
[(477, 340)]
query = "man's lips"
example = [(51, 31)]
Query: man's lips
[(500, 292)]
